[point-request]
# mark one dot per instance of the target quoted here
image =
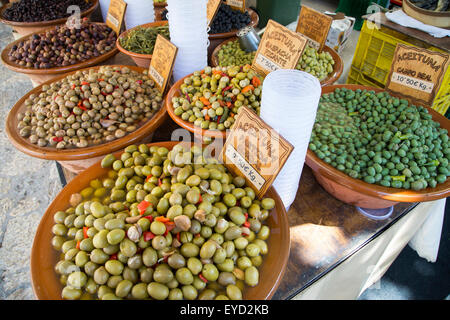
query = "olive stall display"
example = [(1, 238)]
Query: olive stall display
[(381, 139), (89, 107), (210, 99), (63, 46), (37, 11), (318, 64), (162, 225)]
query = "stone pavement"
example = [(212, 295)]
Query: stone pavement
[(27, 187)]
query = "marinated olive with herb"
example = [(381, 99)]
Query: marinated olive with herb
[(171, 244)]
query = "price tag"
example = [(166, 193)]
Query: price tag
[(314, 25), (162, 62), (417, 73), (255, 151), (116, 12), (211, 9), (236, 4), (280, 48)]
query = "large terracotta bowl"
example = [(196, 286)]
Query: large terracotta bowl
[(217, 38), (365, 195), (175, 91), (77, 160), (26, 28), (41, 75), (46, 285), (329, 80), (141, 60)]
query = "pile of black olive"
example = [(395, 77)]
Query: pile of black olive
[(42, 10), (226, 19)]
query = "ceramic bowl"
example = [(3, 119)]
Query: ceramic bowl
[(370, 196), (41, 75), (141, 60), (46, 285), (76, 160)]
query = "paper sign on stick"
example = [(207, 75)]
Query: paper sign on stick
[(255, 151), (163, 59)]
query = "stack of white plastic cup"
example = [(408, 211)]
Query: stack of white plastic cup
[(139, 12), (289, 104), (189, 32), (104, 7)]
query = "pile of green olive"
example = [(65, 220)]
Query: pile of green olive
[(381, 139), (161, 225), (318, 64)]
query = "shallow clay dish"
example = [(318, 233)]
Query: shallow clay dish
[(439, 19), (329, 80), (365, 195), (46, 285), (176, 92), (26, 28), (141, 60), (41, 75), (78, 159)]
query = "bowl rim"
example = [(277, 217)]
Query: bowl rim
[(135, 54), (82, 153), (173, 91), (55, 70), (254, 21), (443, 14), (35, 24), (329, 80), (442, 190), (40, 239)]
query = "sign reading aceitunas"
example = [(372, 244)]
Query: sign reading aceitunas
[(255, 151), (116, 12), (417, 73), (280, 48), (162, 62)]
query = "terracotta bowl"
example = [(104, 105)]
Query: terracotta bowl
[(76, 160), (46, 285), (329, 80), (26, 28), (217, 38), (141, 60), (42, 75), (365, 195), (175, 91)]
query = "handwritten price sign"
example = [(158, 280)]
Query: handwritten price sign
[(417, 73)]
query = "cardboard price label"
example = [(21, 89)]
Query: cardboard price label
[(116, 12), (211, 9), (417, 73), (255, 151), (162, 62), (280, 48), (314, 25), (236, 4)]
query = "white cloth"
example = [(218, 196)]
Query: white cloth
[(426, 240), (401, 18), (364, 268)]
